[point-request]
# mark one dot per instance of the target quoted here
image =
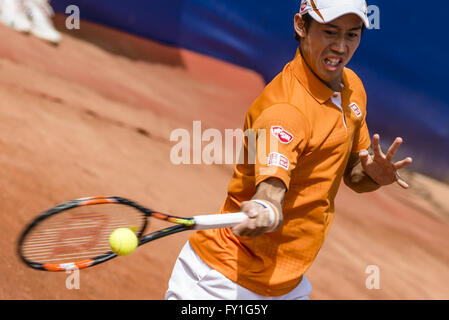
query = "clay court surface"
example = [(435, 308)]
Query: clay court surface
[(94, 116)]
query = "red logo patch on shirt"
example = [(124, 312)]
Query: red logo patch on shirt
[(354, 107), (283, 135), (278, 160)]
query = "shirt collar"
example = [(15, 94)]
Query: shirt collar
[(311, 82)]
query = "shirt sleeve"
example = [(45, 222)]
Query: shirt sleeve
[(282, 132)]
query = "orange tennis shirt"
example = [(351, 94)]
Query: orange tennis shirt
[(316, 130)]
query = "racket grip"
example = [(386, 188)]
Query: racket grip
[(218, 221), (223, 220)]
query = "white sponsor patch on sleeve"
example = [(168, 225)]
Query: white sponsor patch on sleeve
[(278, 160), (355, 108)]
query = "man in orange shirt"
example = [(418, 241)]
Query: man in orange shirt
[(315, 110)]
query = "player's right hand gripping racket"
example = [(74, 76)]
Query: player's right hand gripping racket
[(75, 234)]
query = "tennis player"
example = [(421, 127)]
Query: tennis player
[(316, 108)]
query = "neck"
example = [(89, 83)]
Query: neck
[(334, 84)]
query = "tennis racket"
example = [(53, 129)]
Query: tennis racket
[(75, 234)]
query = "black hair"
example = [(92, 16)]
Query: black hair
[(307, 18)]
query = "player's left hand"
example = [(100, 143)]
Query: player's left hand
[(380, 166)]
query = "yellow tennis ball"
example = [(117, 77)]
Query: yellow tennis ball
[(123, 241)]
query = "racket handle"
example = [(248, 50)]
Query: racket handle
[(224, 220), (217, 221)]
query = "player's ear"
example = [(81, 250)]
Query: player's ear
[(299, 25)]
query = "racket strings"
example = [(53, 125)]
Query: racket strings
[(79, 233)]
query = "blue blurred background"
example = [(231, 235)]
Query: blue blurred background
[(402, 64)]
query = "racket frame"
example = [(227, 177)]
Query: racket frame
[(182, 224)]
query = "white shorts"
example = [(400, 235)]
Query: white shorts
[(193, 279)]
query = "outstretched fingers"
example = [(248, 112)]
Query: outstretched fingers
[(403, 163), (399, 165), (376, 146), (393, 148), (401, 181)]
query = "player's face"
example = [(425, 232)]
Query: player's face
[(328, 48)]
